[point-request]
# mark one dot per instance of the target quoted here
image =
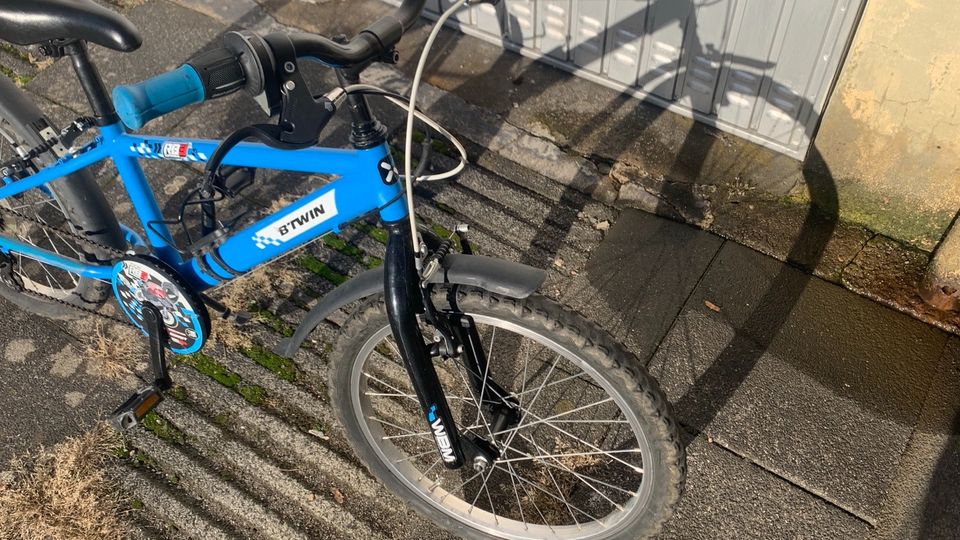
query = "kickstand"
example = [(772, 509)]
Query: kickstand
[(227, 314), (144, 400)]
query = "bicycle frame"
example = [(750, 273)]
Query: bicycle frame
[(367, 182)]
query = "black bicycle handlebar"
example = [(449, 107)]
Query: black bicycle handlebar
[(248, 61), (371, 43)]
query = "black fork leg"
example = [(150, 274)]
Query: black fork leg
[(404, 302), (501, 406)]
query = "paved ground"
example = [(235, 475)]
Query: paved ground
[(808, 411)]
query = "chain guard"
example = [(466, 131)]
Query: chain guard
[(138, 280)]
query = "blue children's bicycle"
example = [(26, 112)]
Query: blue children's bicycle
[(493, 411)]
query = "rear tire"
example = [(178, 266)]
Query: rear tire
[(361, 369), (73, 204)]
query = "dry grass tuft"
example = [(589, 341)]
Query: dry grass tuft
[(114, 350), (64, 492), (264, 283), (259, 286), (228, 334)]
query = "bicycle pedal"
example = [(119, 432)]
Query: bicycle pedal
[(136, 408)]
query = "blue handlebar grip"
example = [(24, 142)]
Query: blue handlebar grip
[(139, 103)]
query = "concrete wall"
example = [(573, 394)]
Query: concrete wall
[(891, 132)]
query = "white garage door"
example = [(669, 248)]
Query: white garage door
[(761, 69)]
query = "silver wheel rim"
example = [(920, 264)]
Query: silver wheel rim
[(401, 465)]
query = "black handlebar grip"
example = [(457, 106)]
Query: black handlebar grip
[(220, 72)]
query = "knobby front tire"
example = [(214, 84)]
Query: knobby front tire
[(596, 454)]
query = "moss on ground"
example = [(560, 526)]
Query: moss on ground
[(341, 246), (254, 394), (320, 268), (282, 367), (213, 369), (272, 320), (162, 428), (909, 221), (377, 233), (178, 393)]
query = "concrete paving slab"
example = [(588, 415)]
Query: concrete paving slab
[(637, 281), (775, 228), (891, 273), (800, 376), (48, 390), (228, 12), (172, 35), (728, 497), (922, 501)]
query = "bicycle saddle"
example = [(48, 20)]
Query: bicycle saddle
[(26, 22)]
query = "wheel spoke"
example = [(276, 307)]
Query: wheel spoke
[(581, 477), (539, 420), (564, 499), (609, 453), (547, 493), (540, 457), (513, 476), (426, 472), (516, 494), (554, 383), (461, 486), (415, 456), (486, 373), (486, 424), (534, 400)]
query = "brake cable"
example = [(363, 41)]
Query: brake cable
[(411, 116)]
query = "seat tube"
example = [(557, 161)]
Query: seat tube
[(92, 84), (147, 209)]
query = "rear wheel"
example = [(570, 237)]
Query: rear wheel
[(594, 455), (70, 206)]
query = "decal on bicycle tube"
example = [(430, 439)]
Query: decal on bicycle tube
[(388, 171), (172, 151), (176, 150), (298, 222), (137, 282), (440, 435)]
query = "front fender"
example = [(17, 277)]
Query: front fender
[(498, 276)]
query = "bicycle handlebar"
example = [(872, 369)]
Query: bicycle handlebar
[(223, 71), (371, 42)]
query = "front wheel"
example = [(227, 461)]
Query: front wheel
[(595, 453)]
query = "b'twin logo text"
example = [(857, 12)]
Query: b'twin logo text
[(440, 434), (301, 220), (294, 224)]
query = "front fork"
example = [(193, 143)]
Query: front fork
[(404, 302)]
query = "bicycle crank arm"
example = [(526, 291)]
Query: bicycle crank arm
[(404, 302), (132, 411)]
